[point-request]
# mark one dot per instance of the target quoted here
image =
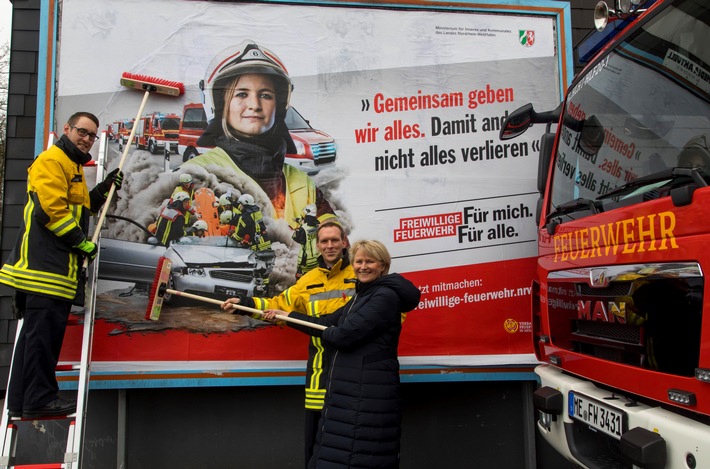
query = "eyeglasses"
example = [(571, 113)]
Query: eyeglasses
[(84, 133)]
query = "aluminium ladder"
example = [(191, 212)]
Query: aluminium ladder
[(75, 437)]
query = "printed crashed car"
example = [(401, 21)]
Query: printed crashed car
[(213, 266)]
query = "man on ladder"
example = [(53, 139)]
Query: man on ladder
[(45, 266)]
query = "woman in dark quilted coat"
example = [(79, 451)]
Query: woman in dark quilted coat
[(360, 423)]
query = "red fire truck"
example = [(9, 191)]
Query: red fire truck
[(192, 125), (158, 132), (112, 131), (122, 128), (620, 317)]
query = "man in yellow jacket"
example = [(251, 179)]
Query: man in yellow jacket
[(45, 266), (318, 292)]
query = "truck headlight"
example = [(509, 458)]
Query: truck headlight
[(682, 397)]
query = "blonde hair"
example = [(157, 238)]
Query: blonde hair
[(375, 249)]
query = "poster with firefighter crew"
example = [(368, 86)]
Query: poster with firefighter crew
[(383, 120)]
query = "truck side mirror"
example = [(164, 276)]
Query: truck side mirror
[(547, 142), (517, 122), (522, 118)]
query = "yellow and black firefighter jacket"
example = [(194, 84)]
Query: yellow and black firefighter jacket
[(319, 292), (55, 220), (251, 229)]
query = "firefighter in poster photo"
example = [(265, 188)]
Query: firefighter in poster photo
[(305, 235), (170, 225), (247, 90), (250, 230)]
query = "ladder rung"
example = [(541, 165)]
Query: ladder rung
[(53, 465), (43, 417)]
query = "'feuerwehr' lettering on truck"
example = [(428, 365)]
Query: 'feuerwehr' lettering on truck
[(630, 235)]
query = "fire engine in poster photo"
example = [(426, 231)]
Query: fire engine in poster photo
[(620, 316), (157, 132)]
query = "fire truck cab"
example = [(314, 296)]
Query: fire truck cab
[(123, 128), (192, 125), (112, 131), (621, 322), (157, 132)]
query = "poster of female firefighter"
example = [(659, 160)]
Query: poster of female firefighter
[(294, 116)]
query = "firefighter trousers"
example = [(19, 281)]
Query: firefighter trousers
[(33, 382)]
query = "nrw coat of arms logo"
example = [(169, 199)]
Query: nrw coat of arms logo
[(527, 38)]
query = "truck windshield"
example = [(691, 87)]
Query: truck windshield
[(170, 123), (641, 110)]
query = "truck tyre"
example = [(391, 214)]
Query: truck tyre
[(189, 154), (152, 147)]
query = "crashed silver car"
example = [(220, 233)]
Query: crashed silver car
[(218, 266), (213, 266)]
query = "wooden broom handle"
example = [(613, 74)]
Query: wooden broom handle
[(112, 189), (244, 308)]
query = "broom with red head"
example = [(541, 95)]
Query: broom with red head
[(160, 288), (148, 85)]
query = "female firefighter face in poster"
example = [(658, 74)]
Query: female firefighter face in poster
[(250, 104), (247, 92)]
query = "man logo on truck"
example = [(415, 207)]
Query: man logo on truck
[(609, 311)]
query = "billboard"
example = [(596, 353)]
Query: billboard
[(394, 118)]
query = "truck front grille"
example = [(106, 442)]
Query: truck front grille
[(323, 153), (644, 316), (620, 332)]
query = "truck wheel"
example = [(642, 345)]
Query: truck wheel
[(152, 147), (189, 154)]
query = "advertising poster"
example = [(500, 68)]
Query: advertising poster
[(394, 116)]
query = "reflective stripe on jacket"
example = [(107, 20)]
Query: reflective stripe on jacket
[(55, 218), (317, 293)]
